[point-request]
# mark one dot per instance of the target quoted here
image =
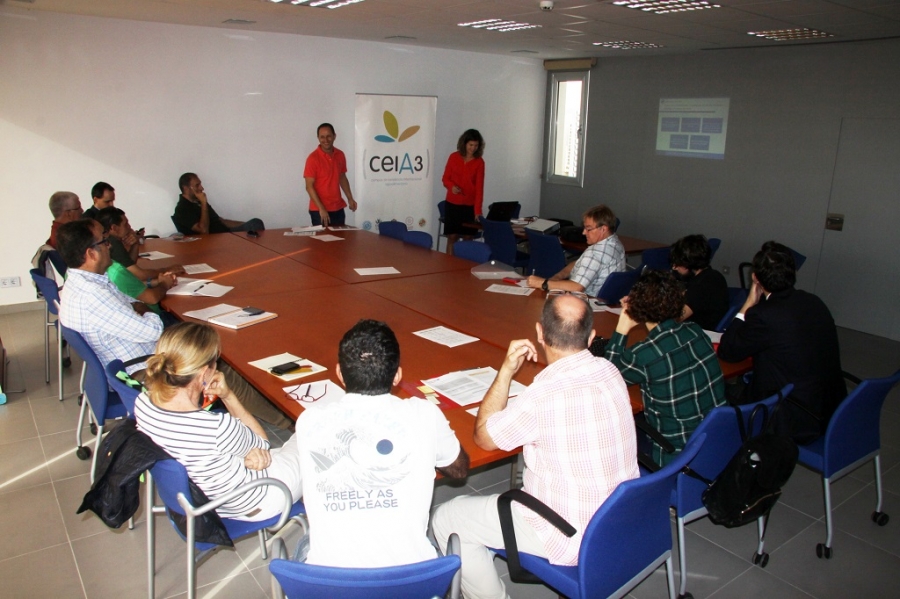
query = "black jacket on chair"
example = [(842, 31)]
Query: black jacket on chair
[(792, 338)]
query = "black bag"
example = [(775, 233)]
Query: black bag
[(750, 484)]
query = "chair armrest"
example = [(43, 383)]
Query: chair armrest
[(851, 377), (654, 435), (504, 509), (647, 462), (192, 512)]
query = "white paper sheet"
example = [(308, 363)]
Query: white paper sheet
[(467, 387), (308, 229), (713, 336), (317, 394), (378, 270), (196, 269), (267, 363), (299, 233), (199, 287), (211, 312), (509, 289), (327, 237), (445, 336), (154, 255)]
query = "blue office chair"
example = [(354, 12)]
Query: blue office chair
[(475, 251), (723, 439), (546, 254), (628, 538), (48, 289), (392, 228), (442, 209), (419, 238), (853, 437), (499, 236), (104, 403), (617, 286), (170, 479), (655, 259), (736, 298), (714, 243), (127, 394), (431, 578)]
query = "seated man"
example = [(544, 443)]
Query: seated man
[(65, 207), (368, 460), (676, 366), (791, 337), (605, 254), (147, 286), (706, 293), (104, 196), (575, 426), (117, 327), (193, 214)]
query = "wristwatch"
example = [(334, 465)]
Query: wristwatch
[(546, 285)]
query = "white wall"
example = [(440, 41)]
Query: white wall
[(136, 104)]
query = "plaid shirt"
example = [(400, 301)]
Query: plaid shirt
[(597, 261), (679, 375), (94, 307), (575, 426)]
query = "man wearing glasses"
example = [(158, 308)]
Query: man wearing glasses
[(605, 254), (576, 431), (65, 207)]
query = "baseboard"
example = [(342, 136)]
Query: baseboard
[(26, 307)]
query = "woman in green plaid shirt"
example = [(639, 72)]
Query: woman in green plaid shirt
[(676, 366)]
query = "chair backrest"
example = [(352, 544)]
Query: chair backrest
[(48, 290), (714, 243), (96, 386), (392, 228), (854, 430), (430, 578), (127, 394), (546, 255), (499, 236), (442, 209), (475, 251), (630, 530), (723, 439), (171, 478), (617, 285), (727, 318), (656, 259), (419, 238)]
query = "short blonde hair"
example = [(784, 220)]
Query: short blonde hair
[(181, 353)]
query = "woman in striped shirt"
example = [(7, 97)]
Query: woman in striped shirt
[(220, 451)]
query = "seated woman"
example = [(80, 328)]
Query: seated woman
[(676, 366), (706, 296), (220, 451)]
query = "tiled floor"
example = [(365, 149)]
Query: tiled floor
[(46, 550)]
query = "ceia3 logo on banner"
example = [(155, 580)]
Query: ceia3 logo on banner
[(407, 163)]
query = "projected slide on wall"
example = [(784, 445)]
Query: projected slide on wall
[(692, 127)]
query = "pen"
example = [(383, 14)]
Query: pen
[(200, 287)]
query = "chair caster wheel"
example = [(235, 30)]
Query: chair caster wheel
[(94, 429), (686, 596), (67, 362), (823, 551), (761, 559), (880, 518), (83, 453)]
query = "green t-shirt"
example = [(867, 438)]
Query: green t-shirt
[(128, 284)]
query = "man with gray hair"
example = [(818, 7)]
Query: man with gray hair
[(65, 207)]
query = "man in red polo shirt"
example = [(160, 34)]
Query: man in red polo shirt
[(326, 175)]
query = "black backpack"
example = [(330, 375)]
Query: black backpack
[(750, 484)]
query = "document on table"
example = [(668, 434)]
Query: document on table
[(154, 255), (445, 336), (509, 289), (299, 233), (328, 238), (201, 287), (466, 387), (599, 306), (378, 270), (211, 312), (196, 269), (306, 367), (310, 230), (713, 336), (317, 394)]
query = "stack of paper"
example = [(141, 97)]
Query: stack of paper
[(467, 387), (306, 367)]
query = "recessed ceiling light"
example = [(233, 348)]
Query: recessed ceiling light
[(627, 45), (783, 35), (662, 7), (498, 25)]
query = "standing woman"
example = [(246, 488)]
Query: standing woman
[(464, 180)]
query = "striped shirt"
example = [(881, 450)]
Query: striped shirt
[(597, 261), (575, 426), (211, 446), (679, 375)]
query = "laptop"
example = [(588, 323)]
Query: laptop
[(502, 211)]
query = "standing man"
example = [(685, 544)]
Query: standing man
[(65, 207), (369, 460), (326, 175), (575, 426), (104, 196), (194, 214), (605, 254), (791, 337)]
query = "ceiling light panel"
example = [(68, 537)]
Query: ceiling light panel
[(319, 3), (784, 35), (626, 45), (662, 7), (498, 25)]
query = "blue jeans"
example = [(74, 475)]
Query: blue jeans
[(336, 218), (254, 224)]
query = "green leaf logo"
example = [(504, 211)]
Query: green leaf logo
[(392, 127)]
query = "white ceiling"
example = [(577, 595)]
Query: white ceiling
[(568, 31)]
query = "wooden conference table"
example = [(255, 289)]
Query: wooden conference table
[(318, 296)]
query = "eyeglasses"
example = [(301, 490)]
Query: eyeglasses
[(589, 229), (579, 294), (305, 397), (105, 241)]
